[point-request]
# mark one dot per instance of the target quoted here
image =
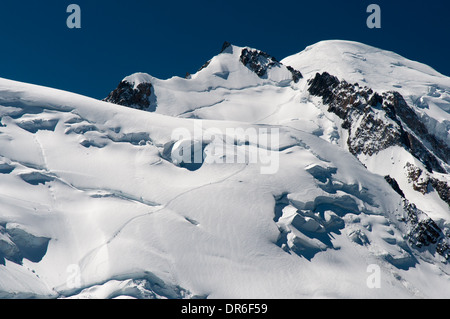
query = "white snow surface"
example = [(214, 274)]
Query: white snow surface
[(123, 221), (138, 78)]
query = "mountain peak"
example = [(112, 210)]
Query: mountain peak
[(134, 91), (138, 78), (421, 86), (225, 47), (234, 67)]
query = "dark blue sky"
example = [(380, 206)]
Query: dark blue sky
[(166, 38)]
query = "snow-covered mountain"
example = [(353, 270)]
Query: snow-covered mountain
[(307, 172)]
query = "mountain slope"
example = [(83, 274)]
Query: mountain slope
[(97, 200), (226, 88)]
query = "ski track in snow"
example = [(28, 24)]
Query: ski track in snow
[(166, 205), (46, 168)]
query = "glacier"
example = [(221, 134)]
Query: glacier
[(95, 204)]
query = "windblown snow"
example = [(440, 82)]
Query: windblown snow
[(97, 200)]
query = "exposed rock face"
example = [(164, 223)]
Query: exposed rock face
[(127, 95), (260, 62), (391, 181), (354, 104), (257, 61), (425, 233), (204, 65), (434, 151), (442, 189), (417, 178), (225, 46), (378, 121), (296, 75), (423, 182)]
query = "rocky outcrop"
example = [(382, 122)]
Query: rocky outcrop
[(127, 94), (260, 62), (418, 178), (225, 46), (359, 108), (391, 181), (416, 136), (296, 75), (424, 233), (424, 183), (441, 188), (378, 121), (204, 66), (257, 61)]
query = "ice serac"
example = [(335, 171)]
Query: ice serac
[(17, 244)]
